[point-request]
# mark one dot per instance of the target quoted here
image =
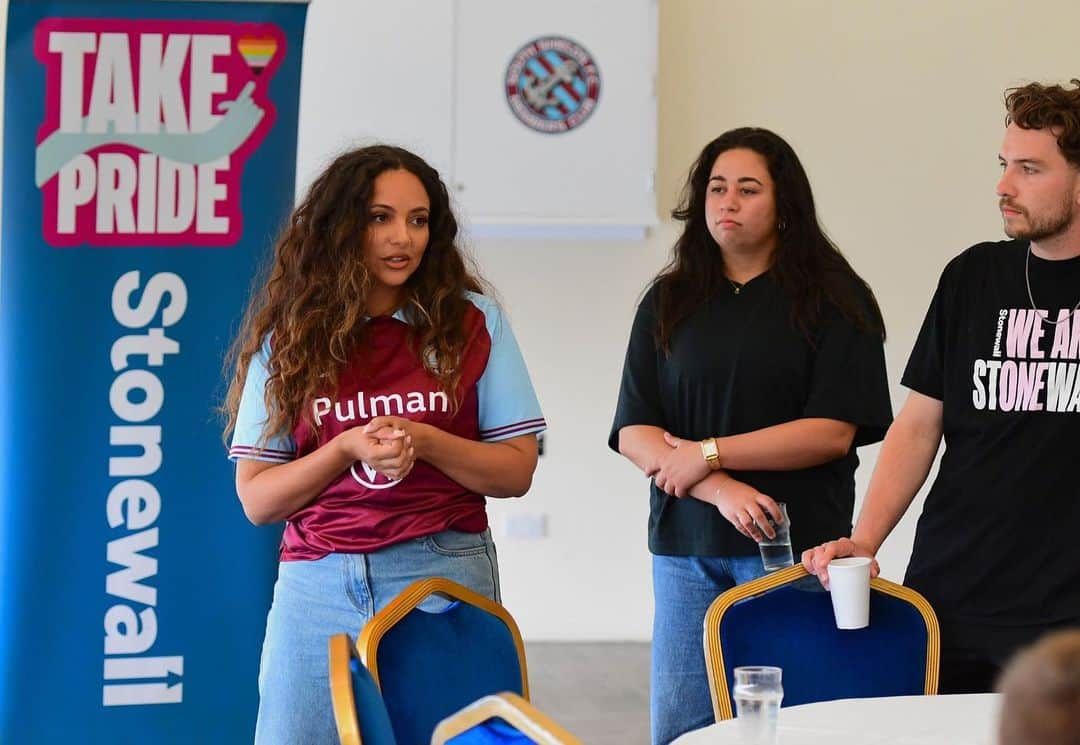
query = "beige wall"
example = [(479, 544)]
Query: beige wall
[(895, 109)]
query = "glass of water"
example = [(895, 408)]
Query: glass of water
[(757, 703), (776, 552)]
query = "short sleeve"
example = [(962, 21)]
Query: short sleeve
[(849, 381), (508, 406), (925, 370), (251, 418), (639, 390)]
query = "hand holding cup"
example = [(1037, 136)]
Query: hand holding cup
[(849, 586), (816, 560)]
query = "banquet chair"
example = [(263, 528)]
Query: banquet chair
[(499, 720), (771, 622), (359, 711), (431, 661)]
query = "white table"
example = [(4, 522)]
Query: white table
[(901, 720)]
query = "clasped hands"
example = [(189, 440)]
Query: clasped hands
[(679, 469), (386, 443)]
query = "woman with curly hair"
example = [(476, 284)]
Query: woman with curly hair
[(755, 367), (379, 395)]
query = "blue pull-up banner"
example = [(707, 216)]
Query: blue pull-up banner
[(149, 154)]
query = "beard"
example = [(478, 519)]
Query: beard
[(1043, 226)]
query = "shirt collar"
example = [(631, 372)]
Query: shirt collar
[(398, 315)]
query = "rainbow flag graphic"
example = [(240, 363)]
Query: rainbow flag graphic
[(257, 52)]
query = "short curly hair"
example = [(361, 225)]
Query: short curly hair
[(1053, 107)]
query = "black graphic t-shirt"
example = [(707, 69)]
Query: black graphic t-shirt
[(997, 543), (739, 364)]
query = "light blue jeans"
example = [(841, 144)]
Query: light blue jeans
[(313, 600), (683, 588)]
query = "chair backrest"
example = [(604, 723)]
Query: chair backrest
[(499, 720), (359, 710), (430, 664), (770, 622)]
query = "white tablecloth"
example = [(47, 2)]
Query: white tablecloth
[(901, 720)]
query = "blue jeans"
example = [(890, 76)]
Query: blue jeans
[(313, 600), (683, 589)]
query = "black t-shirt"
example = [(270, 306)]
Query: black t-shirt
[(739, 364), (997, 543)]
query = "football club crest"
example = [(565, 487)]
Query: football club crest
[(371, 478), (552, 84)]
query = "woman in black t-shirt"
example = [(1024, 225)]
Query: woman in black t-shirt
[(755, 367)]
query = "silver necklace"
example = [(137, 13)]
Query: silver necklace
[(1027, 281)]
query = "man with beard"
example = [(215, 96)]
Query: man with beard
[(994, 372)]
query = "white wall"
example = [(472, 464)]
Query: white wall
[(895, 109)]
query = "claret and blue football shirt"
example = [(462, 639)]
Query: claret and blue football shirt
[(362, 511)]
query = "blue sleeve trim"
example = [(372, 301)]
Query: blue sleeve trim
[(251, 418), (513, 430), (507, 401), (237, 452)]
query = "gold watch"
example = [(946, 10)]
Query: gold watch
[(711, 453)]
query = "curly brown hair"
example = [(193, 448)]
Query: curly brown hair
[(1053, 107), (312, 306)]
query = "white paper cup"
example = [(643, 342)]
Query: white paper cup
[(849, 585)]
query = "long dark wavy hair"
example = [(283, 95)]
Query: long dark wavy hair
[(313, 303), (809, 269)]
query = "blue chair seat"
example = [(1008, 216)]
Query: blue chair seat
[(770, 622), (430, 664)]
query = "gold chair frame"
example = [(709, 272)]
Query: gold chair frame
[(714, 657), (367, 644), (511, 708), (342, 694)]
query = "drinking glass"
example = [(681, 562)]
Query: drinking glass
[(776, 552), (757, 703)]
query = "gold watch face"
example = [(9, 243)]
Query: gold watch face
[(708, 449)]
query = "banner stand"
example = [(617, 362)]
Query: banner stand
[(149, 159)]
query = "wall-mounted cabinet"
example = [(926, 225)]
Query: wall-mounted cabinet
[(541, 118)]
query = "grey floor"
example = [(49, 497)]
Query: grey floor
[(598, 691)]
